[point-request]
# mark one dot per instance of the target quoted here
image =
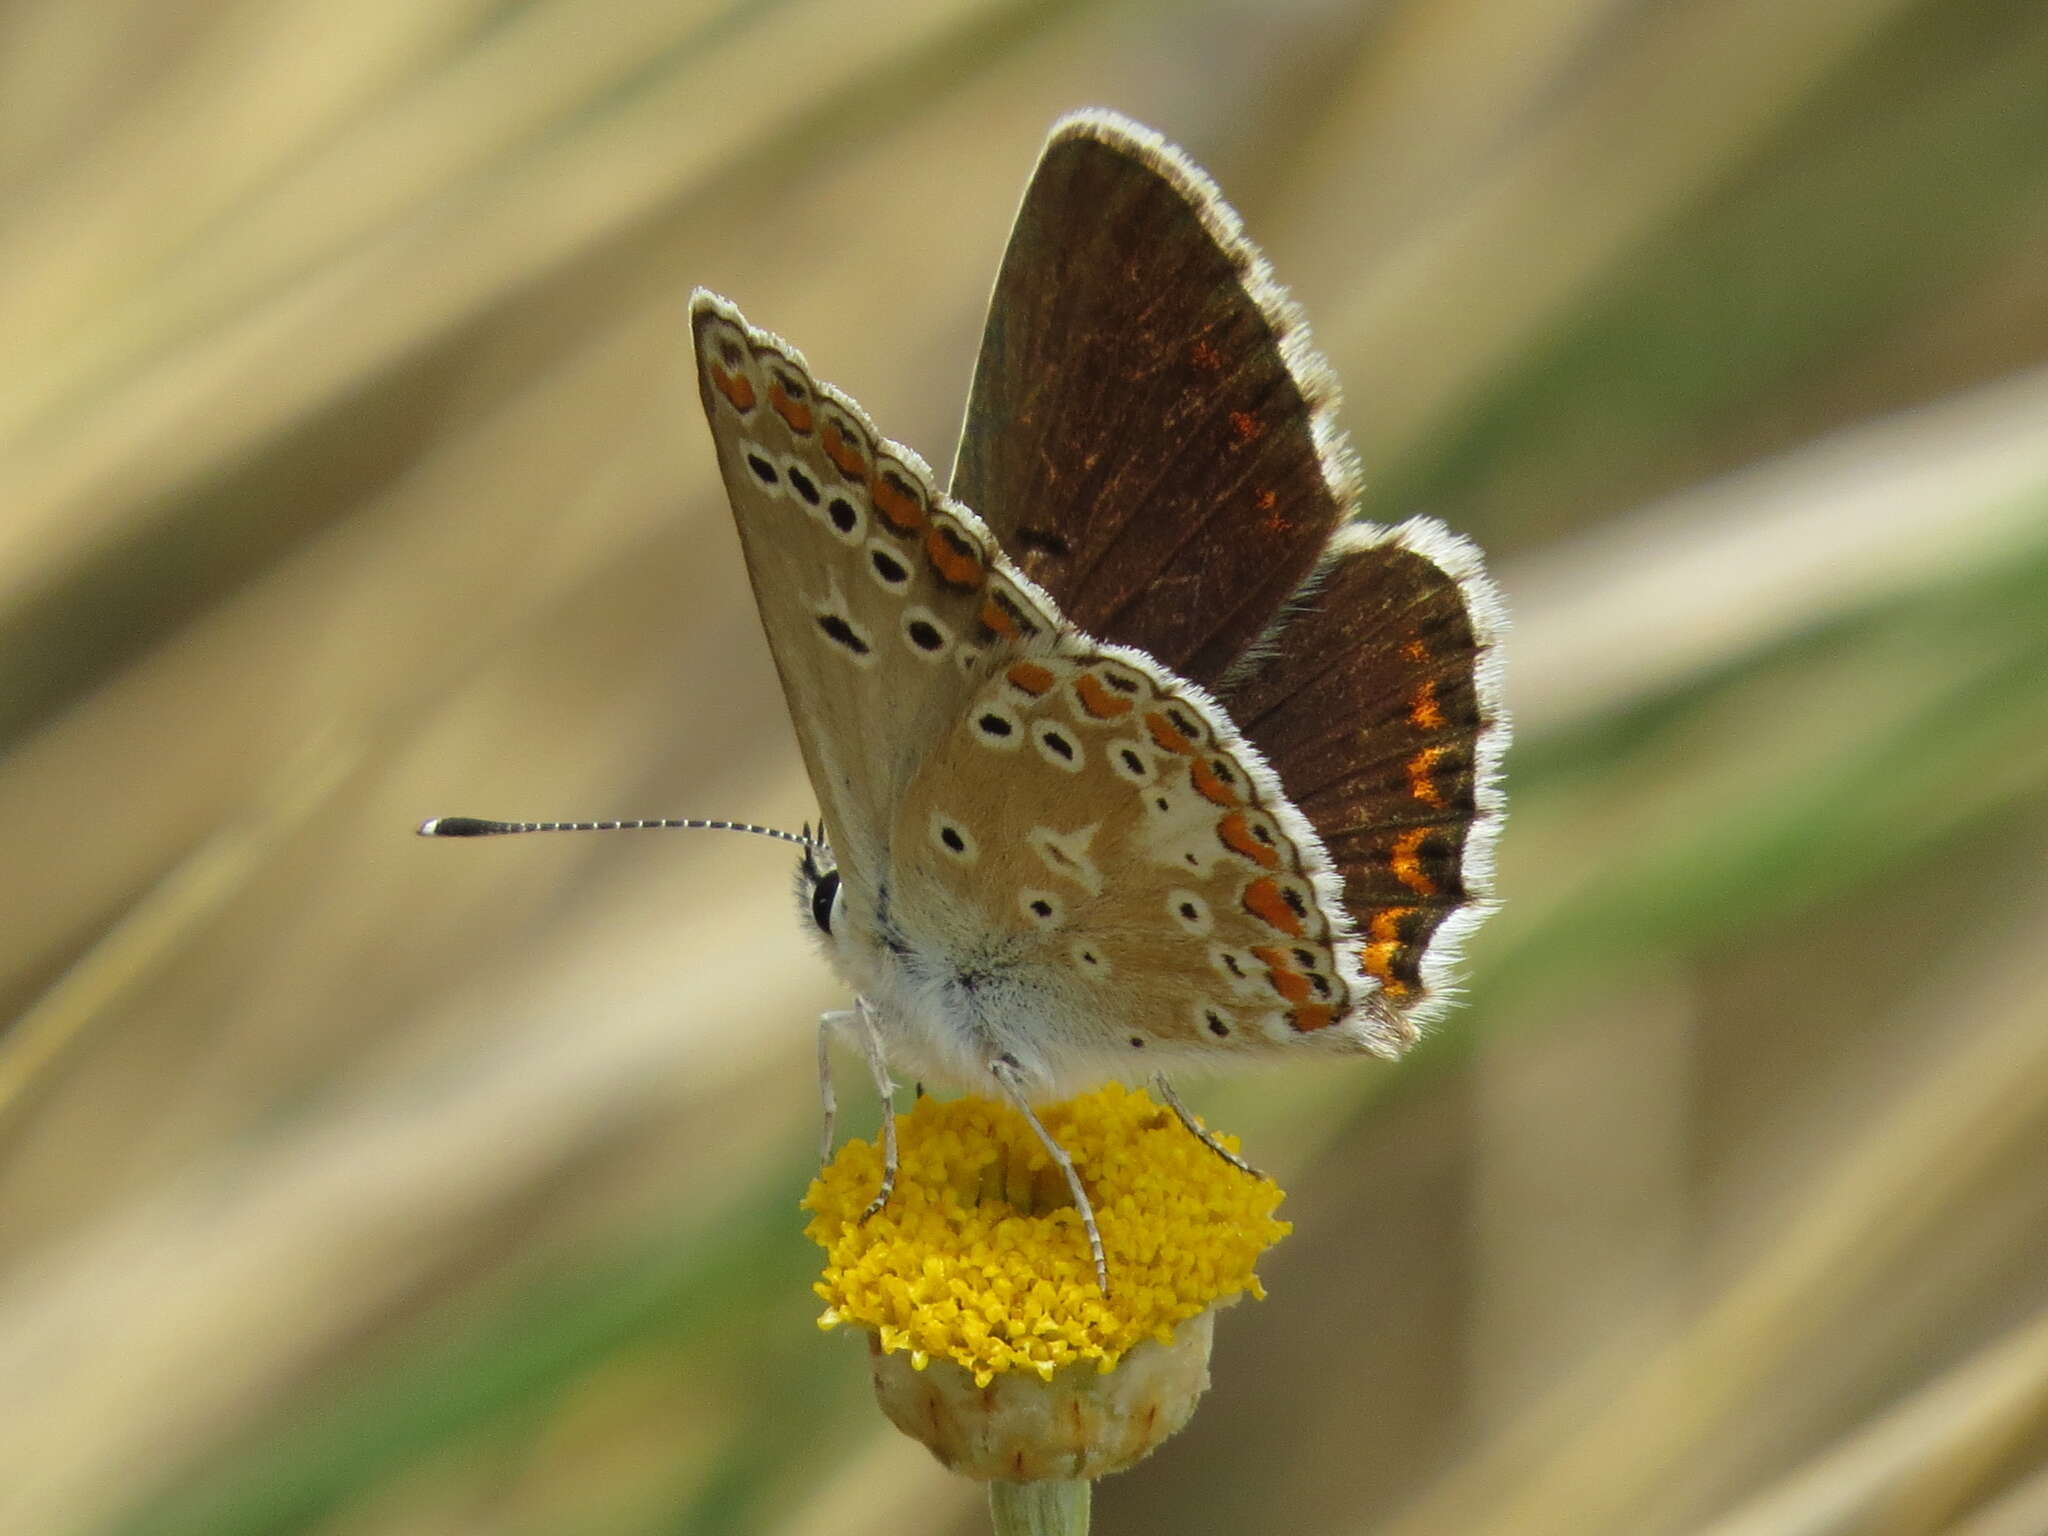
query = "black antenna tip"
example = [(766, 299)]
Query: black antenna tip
[(477, 826), (461, 826)]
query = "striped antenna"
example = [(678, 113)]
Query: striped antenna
[(472, 826)]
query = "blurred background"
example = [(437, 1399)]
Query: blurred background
[(351, 472)]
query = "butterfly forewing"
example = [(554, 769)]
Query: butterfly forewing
[(1148, 434), (872, 591)]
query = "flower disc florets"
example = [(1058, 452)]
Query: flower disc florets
[(980, 1258)]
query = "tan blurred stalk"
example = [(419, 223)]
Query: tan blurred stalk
[(351, 475), (1596, 1455)]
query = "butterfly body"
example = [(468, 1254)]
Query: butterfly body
[(1070, 846)]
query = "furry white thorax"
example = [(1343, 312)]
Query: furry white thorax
[(948, 1000)]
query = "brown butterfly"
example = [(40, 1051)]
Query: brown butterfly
[(1153, 758), (1156, 758)]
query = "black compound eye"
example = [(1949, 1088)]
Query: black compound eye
[(822, 896)]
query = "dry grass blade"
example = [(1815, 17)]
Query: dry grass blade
[(1699, 87), (354, 1185), (1683, 587), (1598, 1452), (2020, 1511), (1907, 1470)]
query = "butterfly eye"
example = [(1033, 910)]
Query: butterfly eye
[(824, 896)]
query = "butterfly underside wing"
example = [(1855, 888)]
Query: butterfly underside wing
[(1164, 763)]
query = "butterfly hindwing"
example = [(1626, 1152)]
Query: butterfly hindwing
[(1104, 831), (1149, 434), (1380, 694)]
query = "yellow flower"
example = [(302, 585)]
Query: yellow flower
[(979, 1268)]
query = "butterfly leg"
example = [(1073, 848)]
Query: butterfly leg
[(1010, 1074), (859, 1024), (828, 1099), (1201, 1132), (870, 1039)]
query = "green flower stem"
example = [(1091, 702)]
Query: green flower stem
[(1055, 1506)]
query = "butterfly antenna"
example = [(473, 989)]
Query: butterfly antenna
[(473, 826)]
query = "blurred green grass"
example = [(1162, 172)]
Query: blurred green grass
[(352, 1185)]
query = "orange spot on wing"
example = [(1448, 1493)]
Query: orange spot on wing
[(1280, 971), (1423, 710), (797, 413), (842, 453), (1379, 964), (998, 618), (1274, 522), (1312, 1016), (1408, 867), (1264, 899), (1030, 677), (736, 387), (1386, 923), (1236, 833), (1097, 699), (1386, 949), (1421, 785), (1164, 732), (1246, 427), (1211, 788), (896, 502), (953, 558), (1414, 650), (1205, 357)]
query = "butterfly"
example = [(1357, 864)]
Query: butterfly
[(1135, 751)]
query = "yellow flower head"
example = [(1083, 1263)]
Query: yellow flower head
[(980, 1257)]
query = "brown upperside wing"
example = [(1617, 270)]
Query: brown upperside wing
[(1149, 435), (1378, 702)]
